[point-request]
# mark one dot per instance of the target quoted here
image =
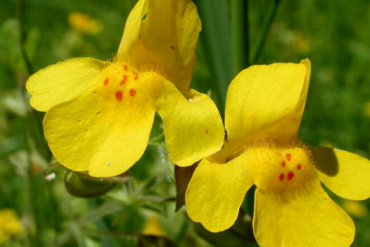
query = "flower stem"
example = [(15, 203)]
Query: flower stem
[(240, 34), (265, 28)]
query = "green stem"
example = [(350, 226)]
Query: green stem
[(35, 121), (215, 39), (265, 28), (240, 34)]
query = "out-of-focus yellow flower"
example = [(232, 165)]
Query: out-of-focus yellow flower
[(355, 208), (300, 43), (264, 108), (153, 227), (10, 224), (84, 23), (366, 109), (100, 114)]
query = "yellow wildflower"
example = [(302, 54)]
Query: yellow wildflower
[(9, 224), (153, 227), (355, 208), (84, 23), (99, 114), (263, 113)]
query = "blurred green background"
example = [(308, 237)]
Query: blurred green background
[(332, 34)]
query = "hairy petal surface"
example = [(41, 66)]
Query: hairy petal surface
[(308, 218), (63, 81), (344, 173), (163, 34), (216, 192)]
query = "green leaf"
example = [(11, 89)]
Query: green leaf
[(82, 185), (217, 43)]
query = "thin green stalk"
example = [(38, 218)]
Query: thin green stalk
[(265, 28), (240, 34), (216, 41)]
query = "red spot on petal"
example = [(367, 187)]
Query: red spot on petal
[(289, 157), (173, 48), (299, 167), (207, 131), (136, 78), (283, 164), (132, 92), (281, 177), (119, 96), (124, 79), (125, 67), (106, 81), (290, 175)]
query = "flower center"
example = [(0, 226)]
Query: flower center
[(121, 80), (280, 169)]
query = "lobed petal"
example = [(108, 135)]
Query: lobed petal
[(193, 128), (216, 192), (63, 81), (309, 218), (344, 173), (101, 131), (266, 101), (163, 34)]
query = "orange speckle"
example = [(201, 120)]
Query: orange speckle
[(136, 78), (290, 175), (283, 164), (124, 79), (207, 131), (125, 67), (135, 73), (289, 157), (173, 48), (132, 92), (119, 96), (106, 81), (281, 177), (299, 167)]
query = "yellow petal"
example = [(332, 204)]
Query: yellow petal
[(310, 218), (266, 101), (164, 35), (193, 128), (216, 192), (104, 130), (64, 81), (344, 173)]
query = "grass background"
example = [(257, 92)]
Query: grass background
[(332, 34)]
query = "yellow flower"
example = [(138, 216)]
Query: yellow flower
[(9, 224), (84, 24), (263, 113), (99, 114), (355, 208), (153, 227)]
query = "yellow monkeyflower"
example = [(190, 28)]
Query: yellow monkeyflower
[(9, 224), (263, 113), (84, 23), (99, 114)]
